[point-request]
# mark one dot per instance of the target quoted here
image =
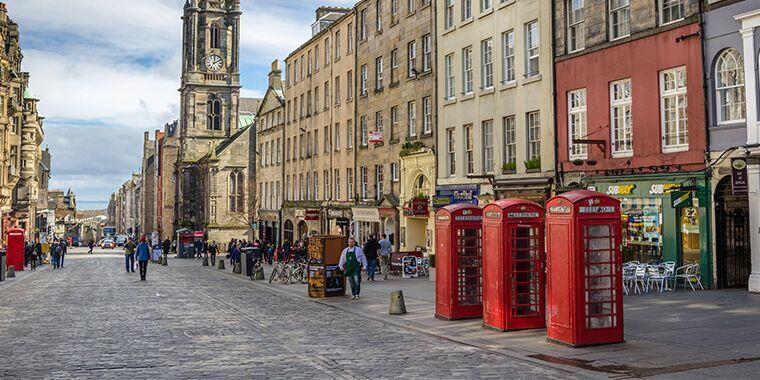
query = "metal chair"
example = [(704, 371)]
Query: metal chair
[(688, 273)]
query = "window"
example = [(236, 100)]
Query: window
[(394, 123), (327, 51), (673, 102), (326, 138), (379, 179), (301, 188), (450, 89), (534, 136), (379, 122), (215, 37), (336, 181), (350, 85), (316, 142), (394, 172), (467, 70), (364, 184), (450, 152), (349, 133), (337, 45), (576, 30), (427, 48), (350, 183), (466, 9), (486, 64), (316, 186), (485, 5), (316, 100), (308, 103), (363, 25), (427, 116), (363, 84), (288, 193), (310, 64), (327, 95), (394, 10), (488, 159), (531, 44), (670, 11), (449, 15), (326, 184), (469, 149), (729, 87), (316, 58), (411, 60), (379, 15), (621, 119), (379, 73), (620, 11), (411, 114), (237, 192), (410, 5), (576, 104), (350, 38), (394, 65), (510, 144), (214, 114), (336, 136), (337, 90), (508, 60), (363, 130)]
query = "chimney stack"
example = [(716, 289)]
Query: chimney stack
[(275, 75)]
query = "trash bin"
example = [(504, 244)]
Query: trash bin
[(2, 265), (247, 258)]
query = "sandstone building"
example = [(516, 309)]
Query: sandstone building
[(270, 142)]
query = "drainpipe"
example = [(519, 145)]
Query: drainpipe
[(708, 170), (557, 176)]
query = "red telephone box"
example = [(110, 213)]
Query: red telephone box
[(513, 265), (458, 264), (585, 287), (15, 255)]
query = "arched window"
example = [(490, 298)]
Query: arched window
[(421, 186), (289, 230), (214, 114), (215, 37), (236, 193), (729, 87)]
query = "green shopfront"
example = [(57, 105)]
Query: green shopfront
[(665, 217)]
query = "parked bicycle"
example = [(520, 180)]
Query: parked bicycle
[(281, 272), (298, 272)]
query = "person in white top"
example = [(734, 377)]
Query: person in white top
[(351, 262)]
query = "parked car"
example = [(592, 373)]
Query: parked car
[(121, 240), (108, 244)]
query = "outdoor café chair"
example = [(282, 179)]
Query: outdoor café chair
[(688, 273), (657, 274)]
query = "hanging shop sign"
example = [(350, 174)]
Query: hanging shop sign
[(375, 137), (681, 199), (739, 182), (420, 207), (311, 215)]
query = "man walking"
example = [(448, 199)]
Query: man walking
[(64, 249), (213, 249), (129, 255), (351, 262), (143, 256), (91, 245), (165, 247), (386, 248), (55, 255), (370, 252), (38, 251)]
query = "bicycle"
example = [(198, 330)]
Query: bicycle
[(298, 272), (280, 272)]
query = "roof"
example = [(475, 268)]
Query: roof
[(247, 113), (506, 203), (28, 94), (229, 141)]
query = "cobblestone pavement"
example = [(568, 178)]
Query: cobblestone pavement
[(92, 320)]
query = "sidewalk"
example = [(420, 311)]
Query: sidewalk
[(21, 275), (698, 334)]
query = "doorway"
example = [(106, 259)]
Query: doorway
[(732, 236)]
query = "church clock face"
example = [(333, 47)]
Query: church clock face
[(214, 62)]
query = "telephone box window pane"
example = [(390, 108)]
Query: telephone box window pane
[(469, 271), (526, 270), (600, 270)]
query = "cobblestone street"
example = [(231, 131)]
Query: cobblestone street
[(91, 319)]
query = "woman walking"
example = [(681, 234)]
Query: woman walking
[(143, 256)]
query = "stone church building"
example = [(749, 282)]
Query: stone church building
[(216, 125)]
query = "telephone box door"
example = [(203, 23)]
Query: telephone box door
[(527, 277)]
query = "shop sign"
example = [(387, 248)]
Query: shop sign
[(620, 189), (465, 196), (420, 207), (311, 215), (334, 214), (441, 200), (299, 213), (681, 199), (739, 183), (375, 137), (663, 188)]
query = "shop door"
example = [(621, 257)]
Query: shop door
[(732, 237), (527, 266)]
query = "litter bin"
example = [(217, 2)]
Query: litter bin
[(247, 258), (2, 265)]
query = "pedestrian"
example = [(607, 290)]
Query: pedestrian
[(55, 255), (198, 245), (129, 255), (32, 257), (386, 248), (370, 252), (38, 251), (351, 262), (64, 249), (285, 251), (166, 246), (143, 256), (91, 245), (213, 249)]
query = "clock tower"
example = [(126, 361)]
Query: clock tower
[(209, 106)]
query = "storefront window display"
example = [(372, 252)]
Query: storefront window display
[(642, 229), (690, 245)]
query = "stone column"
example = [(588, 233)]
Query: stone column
[(753, 169)]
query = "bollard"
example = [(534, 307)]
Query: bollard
[(205, 262), (258, 274), (164, 261), (11, 272), (397, 303), (220, 265), (237, 268)]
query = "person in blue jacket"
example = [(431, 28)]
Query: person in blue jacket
[(143, 256)]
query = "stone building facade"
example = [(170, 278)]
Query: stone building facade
[(148, 187), (166, 189), (319, 122), (395, 60), (270, 140)]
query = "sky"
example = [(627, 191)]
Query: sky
[(105, 71)]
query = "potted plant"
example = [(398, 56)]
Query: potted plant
[(509, 167), (533, 164)]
